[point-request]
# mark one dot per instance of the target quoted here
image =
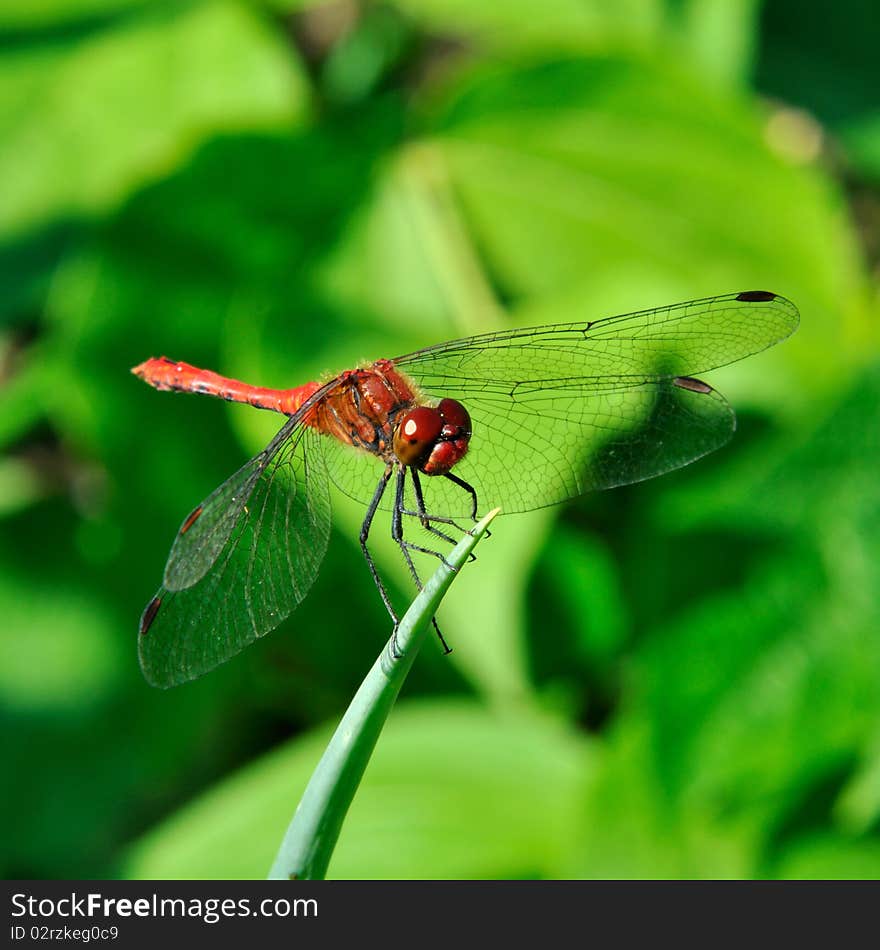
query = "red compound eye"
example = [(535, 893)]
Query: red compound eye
[(416, 434), (456, 420)]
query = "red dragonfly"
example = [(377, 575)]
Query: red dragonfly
[(519, 419)]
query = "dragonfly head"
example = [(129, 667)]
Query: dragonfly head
[(433, 439)]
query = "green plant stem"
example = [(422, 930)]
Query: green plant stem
[(311, 836)]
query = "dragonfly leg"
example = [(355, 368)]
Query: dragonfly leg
[(473, 493), (405, 547), (364, 535), (397, 528), (426, 519), (468, 488)]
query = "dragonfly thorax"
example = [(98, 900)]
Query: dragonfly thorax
[(378, 409)]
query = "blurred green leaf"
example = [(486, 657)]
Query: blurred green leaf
[(827, 857), (579, 624), (631, 828), (814, 480), (27, 15), (584, 580), (862, 140), (858, 807), (763, 697), (58, 649), (559, 24), (128, 105), (822, 56), (468, 793), (721, 36), (19, 486), (365, 55), (22, 399)]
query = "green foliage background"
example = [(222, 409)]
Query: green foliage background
[(680, 678)]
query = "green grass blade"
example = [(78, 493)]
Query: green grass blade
[(311, 837)]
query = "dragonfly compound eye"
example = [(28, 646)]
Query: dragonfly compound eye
[(454, 438), (456, 420), (417, 434)]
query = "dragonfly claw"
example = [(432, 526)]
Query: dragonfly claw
[(393, 649)]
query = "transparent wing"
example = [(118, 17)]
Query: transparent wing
[(242, 561), (565, 409)]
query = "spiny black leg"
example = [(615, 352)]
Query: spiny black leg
[(365, 533), (425, 517), (435, 518), (422, 512), (397, 535), (473, 493), (447, 649), (409, 546), (397, 513), (397, 526), (468, 488)]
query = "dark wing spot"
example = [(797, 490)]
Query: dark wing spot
[(756, 296), (149, 615), (190, 521), (694, 385)]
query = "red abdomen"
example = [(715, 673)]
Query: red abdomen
[(361, 407)]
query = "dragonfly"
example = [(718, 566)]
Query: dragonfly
[(518, 419)]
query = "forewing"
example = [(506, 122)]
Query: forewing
[(565, 409), (679, 340), (242, 561)]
